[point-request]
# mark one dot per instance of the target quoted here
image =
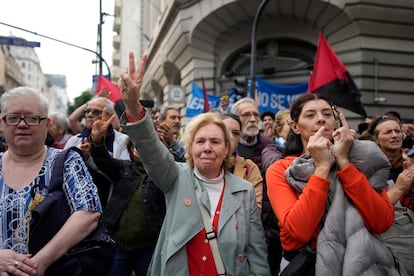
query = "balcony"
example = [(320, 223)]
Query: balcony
[(116, 41), (116, 58), (117, 25)]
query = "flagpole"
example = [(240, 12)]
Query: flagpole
[(206, 103), (253, 49)]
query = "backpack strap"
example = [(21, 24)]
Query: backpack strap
[(56, 179)]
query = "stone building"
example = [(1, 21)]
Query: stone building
[(10, 74), (20, 66)]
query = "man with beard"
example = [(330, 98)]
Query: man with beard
[(251, 144), (172, 118), (170, 122)]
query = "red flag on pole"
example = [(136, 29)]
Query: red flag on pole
[(206, 103), (331, 79), (112, 89)]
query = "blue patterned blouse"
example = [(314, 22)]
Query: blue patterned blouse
[(79, 188)]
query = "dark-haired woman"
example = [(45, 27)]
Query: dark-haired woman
[(327, 196)]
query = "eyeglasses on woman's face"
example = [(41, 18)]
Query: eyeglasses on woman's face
[(30, 120)]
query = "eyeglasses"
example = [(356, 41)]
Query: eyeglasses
[(30, 120), (94, 111), (248, 115)]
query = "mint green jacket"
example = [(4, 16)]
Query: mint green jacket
[(241, 238)]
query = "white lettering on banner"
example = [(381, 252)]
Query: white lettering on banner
[(263, 99), (195, 103), (275, 101)]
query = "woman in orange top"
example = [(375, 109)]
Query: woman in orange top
[(301, 214)]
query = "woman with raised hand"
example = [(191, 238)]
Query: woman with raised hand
[(183, 248), (328, 191)]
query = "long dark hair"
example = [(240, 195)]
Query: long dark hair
[(294, 145)]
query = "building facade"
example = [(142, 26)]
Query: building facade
[(10, 74), (20, 66), (210, 39), (29, 64)]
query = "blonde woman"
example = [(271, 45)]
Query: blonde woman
[(182, 247)]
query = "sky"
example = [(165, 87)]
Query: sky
[(75, 22)]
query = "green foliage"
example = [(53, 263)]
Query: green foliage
[(80, 100)]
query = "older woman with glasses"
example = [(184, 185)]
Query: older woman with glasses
[(25, 170)]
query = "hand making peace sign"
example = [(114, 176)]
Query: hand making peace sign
[(100, 127), (130, 85)]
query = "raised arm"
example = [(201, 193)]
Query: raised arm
[(75, 117), (157, 159), (130, 84)]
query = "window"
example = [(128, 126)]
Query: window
[(273, 55)]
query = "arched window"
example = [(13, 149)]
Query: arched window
[(272, 56)]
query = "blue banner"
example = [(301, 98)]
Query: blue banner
[(275, 97), (195, 103)]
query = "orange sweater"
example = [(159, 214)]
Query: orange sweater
[(299, 214)]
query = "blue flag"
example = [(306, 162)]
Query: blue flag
[(275, 97), (195, 103)]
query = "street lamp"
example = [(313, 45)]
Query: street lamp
[(253, 49), (99, 42)]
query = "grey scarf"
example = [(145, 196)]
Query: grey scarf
[(344, 245)]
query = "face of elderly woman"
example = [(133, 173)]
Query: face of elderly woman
[(208, 150), (23, 138), (389, 135), (314, 115)]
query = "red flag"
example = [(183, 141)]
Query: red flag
[(206, 103), (112, 89), (331, 79)]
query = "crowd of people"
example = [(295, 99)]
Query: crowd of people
[(272, 185)]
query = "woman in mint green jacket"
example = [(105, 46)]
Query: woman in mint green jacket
[(182, 247)]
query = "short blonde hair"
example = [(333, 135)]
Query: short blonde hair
[(280, 121), (194, 126)]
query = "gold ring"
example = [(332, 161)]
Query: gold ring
[(16, 263)]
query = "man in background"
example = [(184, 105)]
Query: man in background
[(251, 144), (268, 119), (59, 128), (171, 117), (168, 129), (115, 142)]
